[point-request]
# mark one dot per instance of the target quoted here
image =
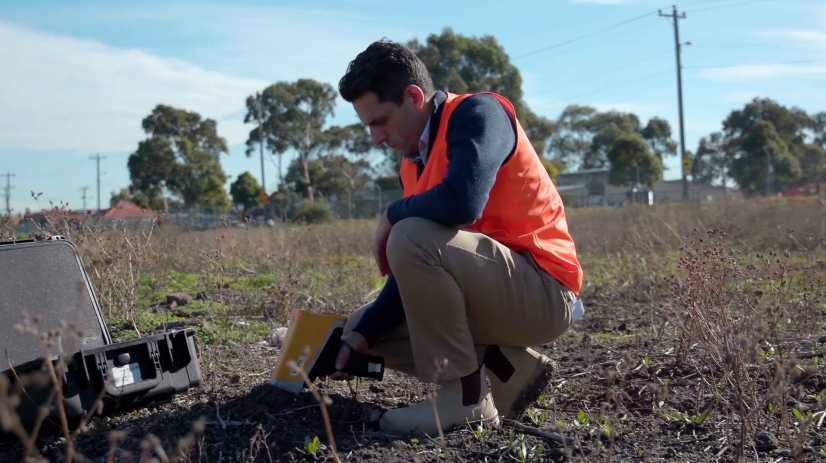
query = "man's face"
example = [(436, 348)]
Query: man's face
[(397, 126)]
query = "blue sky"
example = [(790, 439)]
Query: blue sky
[(77, 79)]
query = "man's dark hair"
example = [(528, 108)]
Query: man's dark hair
[(385, 68)]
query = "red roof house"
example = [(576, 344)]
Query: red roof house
[(127, 210), (806, 189), (54, 215)]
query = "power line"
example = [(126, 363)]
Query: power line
[(593, 76), (566, 42), (609, 71), (694, 44), (678, 45), (713, 2), (7, 189), (97, 158), (637, 18), (730, 45), (703, 6), (787, 63), (622, 84), (752, 2), (589, 45)]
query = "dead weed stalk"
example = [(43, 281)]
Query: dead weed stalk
[(323, 401), (732, 309)]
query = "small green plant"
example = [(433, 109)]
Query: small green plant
[(480, 431), (101, 424), (524, 452), (605, 427), (695, 420), (311, 446), (809, 418), (702, 417), (767, 355), (545, 402), (538, 418)]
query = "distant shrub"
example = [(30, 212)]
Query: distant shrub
[(568, 200), (307, 212), (553, 169)]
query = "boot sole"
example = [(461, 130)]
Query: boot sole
[(491, 422), (531, 393)]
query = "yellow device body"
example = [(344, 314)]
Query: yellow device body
[(306, 336)]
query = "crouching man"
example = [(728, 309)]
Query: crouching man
[(479, 259)]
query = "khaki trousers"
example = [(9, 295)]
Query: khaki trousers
[(463, 291)]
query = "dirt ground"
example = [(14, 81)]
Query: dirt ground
[(726, 359), (612, 373)]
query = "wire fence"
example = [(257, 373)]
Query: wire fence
[(371, 203)]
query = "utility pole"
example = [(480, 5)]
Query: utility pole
[(163, 195), (769, 172), (83, 197), (8, 176), (676, 17), (97, 158), (261, 151), (261, 143)]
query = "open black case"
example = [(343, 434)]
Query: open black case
[(46, 279)]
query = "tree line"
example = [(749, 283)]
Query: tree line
[(762, 145)]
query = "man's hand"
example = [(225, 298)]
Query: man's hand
[(380, 245), (359, 344)]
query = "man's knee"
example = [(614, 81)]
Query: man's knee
[(413, 234)]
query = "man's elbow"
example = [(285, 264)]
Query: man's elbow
[(466, 214)]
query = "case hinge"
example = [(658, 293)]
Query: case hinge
[(156, 355), (100, 361)]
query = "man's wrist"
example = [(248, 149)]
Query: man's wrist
[(391, 213), (355, 342), (384, 314), (367, 332)]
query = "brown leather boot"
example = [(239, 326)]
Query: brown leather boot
[(518, 376), (420, 418)]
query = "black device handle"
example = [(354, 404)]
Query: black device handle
[(365, 366), (358, 365)]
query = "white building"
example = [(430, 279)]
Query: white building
[(590, 187)]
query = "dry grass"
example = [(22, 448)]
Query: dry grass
[(726, 299)]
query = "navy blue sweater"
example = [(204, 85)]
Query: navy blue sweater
[(481, 137)]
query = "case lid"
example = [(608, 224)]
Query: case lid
[(45, 278)]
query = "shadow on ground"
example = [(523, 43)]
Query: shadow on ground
[(263, 423)]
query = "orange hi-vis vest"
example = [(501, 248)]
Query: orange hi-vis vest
[(524, 209)]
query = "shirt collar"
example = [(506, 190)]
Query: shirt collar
[(424, 141), (424, 138)]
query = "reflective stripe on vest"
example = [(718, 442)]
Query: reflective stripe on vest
[(524, 209)]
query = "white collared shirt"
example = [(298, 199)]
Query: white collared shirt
[(424, 142)]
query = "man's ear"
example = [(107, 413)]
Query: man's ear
[(415, 96)]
